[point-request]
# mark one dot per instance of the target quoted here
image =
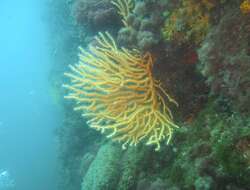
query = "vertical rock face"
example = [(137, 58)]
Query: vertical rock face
[(211, 149), (225, 58)]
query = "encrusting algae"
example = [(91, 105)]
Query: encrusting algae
[(117, 94), (245, 7)]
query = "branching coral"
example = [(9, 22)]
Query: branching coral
[(115, 90), (124, 8)]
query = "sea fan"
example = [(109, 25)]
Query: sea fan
[(115, 90)]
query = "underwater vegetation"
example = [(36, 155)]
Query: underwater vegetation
[(115, 90), (212, 153), (224, 59), (213, 156), (199, 51)]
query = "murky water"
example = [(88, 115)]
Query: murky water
[(27, 114)]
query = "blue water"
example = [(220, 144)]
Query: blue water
[(28, 116)]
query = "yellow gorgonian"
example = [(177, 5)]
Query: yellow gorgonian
[(118, 95), (124, 7)]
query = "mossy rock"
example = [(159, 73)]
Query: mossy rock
[(103, 173), (132, 162)]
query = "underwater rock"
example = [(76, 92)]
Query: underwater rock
[(146, 40), (102, 173), (214, 155), (113, 168), (95, 15), (144, 26), (86, 162), (211, 149), (225, 59), (158, 184), (132, 162)]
